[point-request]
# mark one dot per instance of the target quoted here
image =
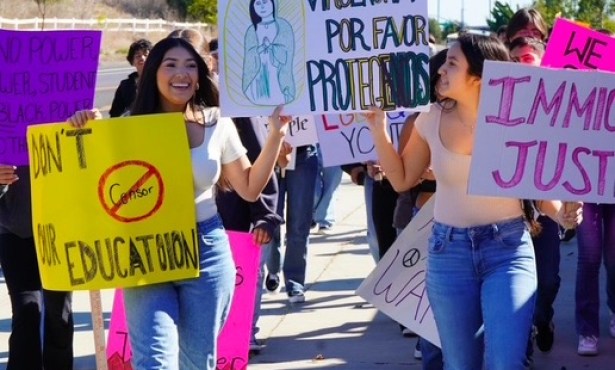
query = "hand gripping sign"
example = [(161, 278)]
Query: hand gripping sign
[(113, 203)]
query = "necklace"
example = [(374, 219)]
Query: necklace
[(469, 127), (267, 24)]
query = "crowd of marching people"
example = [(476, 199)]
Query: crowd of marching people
[(493, 265)]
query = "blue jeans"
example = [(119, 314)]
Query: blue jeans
[(327, 182), (481, 283), (175, 325), (546, 248), (596, 243), (372, 239), (431, 355), (259, 289), (298, 186)]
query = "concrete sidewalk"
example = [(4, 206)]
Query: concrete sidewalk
[(336, 329)]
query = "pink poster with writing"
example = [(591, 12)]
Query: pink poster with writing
[(234, 341), (574, 46), (119, 352)]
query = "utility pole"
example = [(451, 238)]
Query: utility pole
[(462, 14)]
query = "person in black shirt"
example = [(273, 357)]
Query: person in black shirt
[(127, 91)]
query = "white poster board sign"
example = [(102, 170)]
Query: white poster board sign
[(346, 138), (545, 134), (397, 284), (321, 56), (301, 130)]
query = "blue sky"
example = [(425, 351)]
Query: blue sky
[(476, 11)]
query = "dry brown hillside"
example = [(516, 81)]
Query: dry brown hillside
[(115, 44)]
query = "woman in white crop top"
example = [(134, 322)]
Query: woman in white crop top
[(175, 325), (481, 276)]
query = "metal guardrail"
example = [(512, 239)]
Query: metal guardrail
[(106, 24)]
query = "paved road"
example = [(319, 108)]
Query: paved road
[(109, 77)]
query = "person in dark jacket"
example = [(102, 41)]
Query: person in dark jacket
[(29, 348), (127, 91), (260, 217)]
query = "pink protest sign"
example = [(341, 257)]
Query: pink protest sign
[(45, 77), (119, 352), (574, 46), (234, 341)]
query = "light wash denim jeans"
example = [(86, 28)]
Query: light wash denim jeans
[(297, 188), (481, 283), (327, 182), (175, 325)]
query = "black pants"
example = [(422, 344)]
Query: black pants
[(384, 199), (28, 300)]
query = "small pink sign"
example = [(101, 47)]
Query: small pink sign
[(234, 341), (119, 352), (574, 46)]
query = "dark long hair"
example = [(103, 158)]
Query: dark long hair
[(522, 18), (478, 48), (256, 19), (435, 62), (148, 95)]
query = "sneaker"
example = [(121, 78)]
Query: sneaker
[(272, 282), (255, 345), (612, 325), (588, 346), (544, 337), (417, 350), (313, 226), (324, 230), (296, 297), (407, 333)]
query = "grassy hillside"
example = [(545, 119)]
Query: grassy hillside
[(115, 44)]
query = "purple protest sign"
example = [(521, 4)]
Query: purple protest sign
[(45, 77), (577, 47)]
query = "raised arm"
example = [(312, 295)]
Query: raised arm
[(403, 171), (248, 180)]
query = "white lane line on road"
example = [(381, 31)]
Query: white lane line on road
[(112, 71)]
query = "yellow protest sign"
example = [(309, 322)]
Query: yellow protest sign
[(113, 202)]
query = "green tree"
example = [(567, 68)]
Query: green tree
[(552, 9), (500, 15), (594, 12), (42, 9), (609, 24), (181, 7), (435, 30), (450, 27), (204, 11)]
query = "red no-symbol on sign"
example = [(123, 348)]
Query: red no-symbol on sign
[(131, 191)]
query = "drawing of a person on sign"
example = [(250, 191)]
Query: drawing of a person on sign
[(269, 47)]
